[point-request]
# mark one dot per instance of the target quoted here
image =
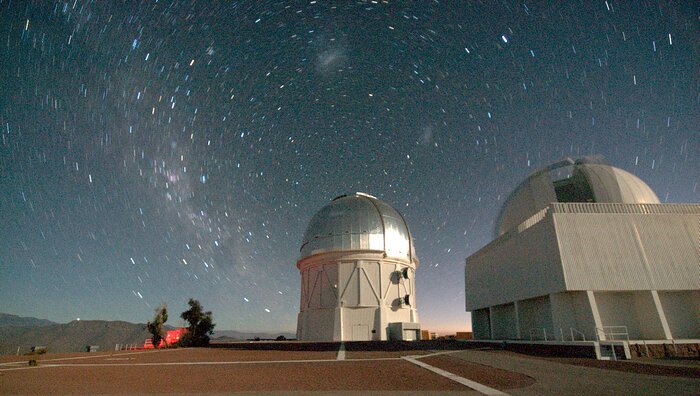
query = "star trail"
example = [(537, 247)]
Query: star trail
[(159, 150)]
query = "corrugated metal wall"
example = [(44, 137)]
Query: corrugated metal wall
[(629, 251), (588, 246)]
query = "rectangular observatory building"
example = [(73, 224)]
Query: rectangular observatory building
[(606, 270)]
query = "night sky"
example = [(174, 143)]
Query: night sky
[(158, 151)]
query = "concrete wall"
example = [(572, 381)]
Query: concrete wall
[(682, 310), (481, 324), (650, 323), (572, 310), (618, 309), (503, 322), (535, 315)]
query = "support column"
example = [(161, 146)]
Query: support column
[(662, 315), (596, 315), (517, 321), (490, 323), (338, 333)]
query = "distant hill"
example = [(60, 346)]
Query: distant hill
[(14, 320), (71, 337), (229, 335), (16, 331)]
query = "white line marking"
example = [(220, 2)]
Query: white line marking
[(23, 368), (88, 357), (432, 354), (242, 362), (341, 352), (469, 383)]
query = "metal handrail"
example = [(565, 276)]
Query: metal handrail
[(609, 332), (624, 208), (537, 329), (577, 332)]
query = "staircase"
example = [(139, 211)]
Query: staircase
[(612, 350)]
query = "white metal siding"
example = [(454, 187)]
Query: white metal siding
[(515, 266), (343, 293), (629, 251)]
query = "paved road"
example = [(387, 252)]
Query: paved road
[(564, 379)]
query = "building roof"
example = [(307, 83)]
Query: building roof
[(358, 222), (572, 181)]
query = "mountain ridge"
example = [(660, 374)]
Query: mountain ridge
[(16, 320), (25, 332)]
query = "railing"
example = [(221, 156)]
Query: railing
[(128, 347), (576, 332), (609, 333), (535, 332), (532, 220), (622, 208)]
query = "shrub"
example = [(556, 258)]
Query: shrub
[(156, 326), (200, 328)]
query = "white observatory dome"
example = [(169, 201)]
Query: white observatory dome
[(358, 222), (572, 181)]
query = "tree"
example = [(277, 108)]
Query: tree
[(201, 325), (156, 326)]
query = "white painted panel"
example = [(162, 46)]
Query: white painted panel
[(353, 317), (315, 288), (360, 332), (389, 288), (350, 296), (517, 266), (329, 297), (399, 315), (304, 303), (369, 284), (318, 324)]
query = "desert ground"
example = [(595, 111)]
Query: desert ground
[(225, 370)]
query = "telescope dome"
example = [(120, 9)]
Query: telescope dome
[(358, 222), (572, 181)]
